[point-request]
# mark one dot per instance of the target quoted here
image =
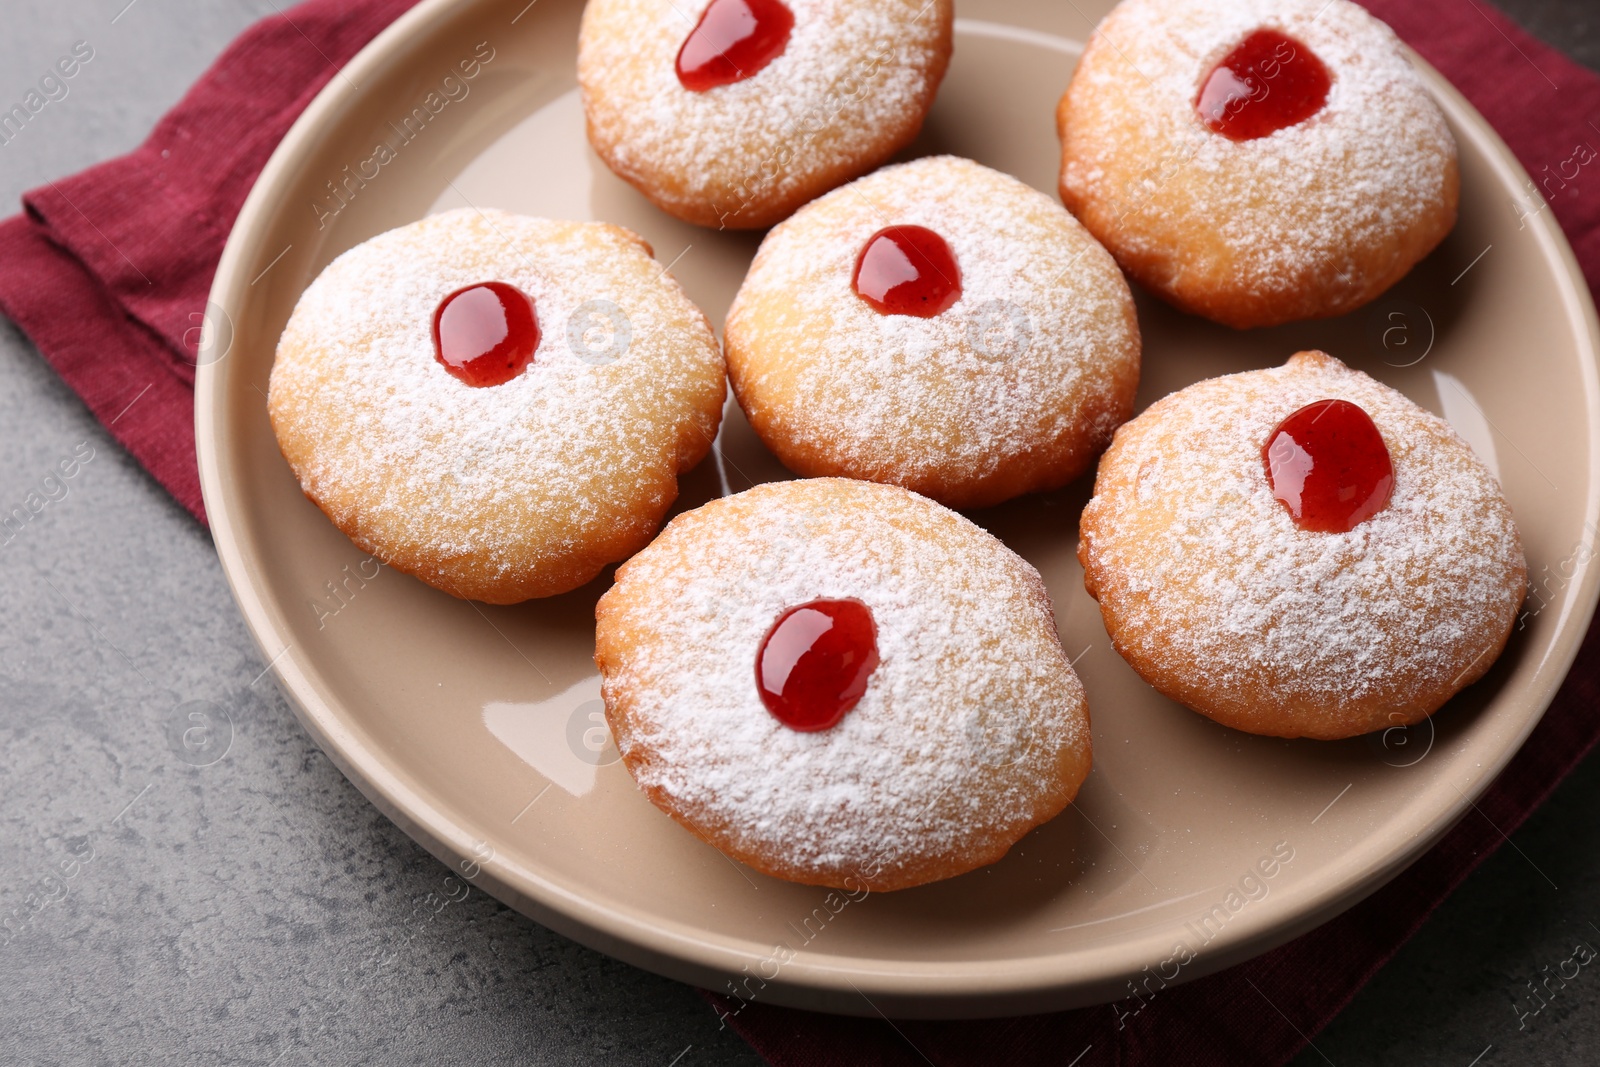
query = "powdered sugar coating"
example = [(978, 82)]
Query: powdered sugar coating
[(515, 490), (850, 90), (972, 729), (1015, 388), (1311, 220), (1212, 592)]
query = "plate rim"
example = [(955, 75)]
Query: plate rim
[(699, 953)]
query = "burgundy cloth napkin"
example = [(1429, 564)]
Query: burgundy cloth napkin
[(108, 271)]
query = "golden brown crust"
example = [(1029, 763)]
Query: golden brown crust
[(851, 90), (1014, 389), (1215, 598), (1309, 222), (521, 490), (973, 730)]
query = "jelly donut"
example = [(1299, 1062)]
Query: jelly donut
[(1256, 161), (496, 404), (842, 684), (1301, 552), (939, 326), (732, 113)]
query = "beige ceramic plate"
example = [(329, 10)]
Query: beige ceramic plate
[(477, 729)]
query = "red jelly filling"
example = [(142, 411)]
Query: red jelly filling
[(1268, 82), (485, 334), (815, 662), (907, 270), (1329, 466), (733, 41)]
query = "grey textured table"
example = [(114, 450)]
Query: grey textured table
[(213, 914)]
